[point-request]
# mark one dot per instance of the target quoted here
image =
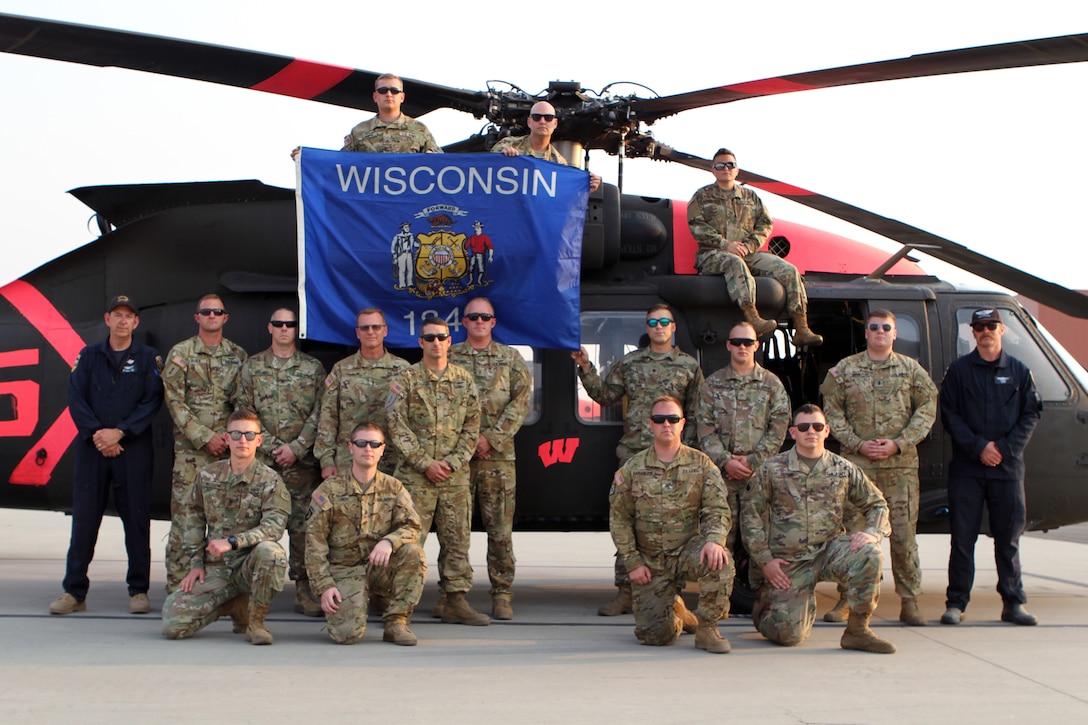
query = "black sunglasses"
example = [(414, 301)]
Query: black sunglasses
[(719, 165), (432, 336), (980, 326), (217, 311), (283, 323), (814, 426), (671, 418), (874, 326), (388, 89), (655, 321), (363, 443), (742, 342), (549, 117), (236, 435), (474, 316)]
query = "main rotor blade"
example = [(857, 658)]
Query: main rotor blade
[(335, 85), (1045, 51)]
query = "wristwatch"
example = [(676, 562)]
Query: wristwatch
[(233, 541)]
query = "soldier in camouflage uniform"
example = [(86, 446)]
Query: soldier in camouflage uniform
[(731, 224), (743, 415), (283, 386), (363, 535), (199, 379), (669, 517), (357, 389), (231, 523), (505, 388), (542, 122), (880, 405), (434, 421), (792, 521), (641, 376)]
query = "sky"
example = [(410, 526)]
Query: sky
[(994, 161)]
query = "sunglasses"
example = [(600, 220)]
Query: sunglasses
[(655, 321), (237, 435), (874, 326), (432, 336), (742, 342), (363, 443), (368, 328), (217, 311), (388, 89), (670, 418), (283, 323), (719, 165), (803, 427), (474, 316), (549, 117), (980, 326)]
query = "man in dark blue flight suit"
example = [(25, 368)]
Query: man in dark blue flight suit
[(113, 395), (990, 407)]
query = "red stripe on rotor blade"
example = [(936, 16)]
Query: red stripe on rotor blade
[(35, 469), (303, 79), (777, 187), (769, 87), (45, 318)]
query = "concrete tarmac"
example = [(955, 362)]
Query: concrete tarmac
[(556, 662)]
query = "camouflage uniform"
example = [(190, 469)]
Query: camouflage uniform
[(642, 376), (434, 418), (525, 148), (661, 516), (286, 394), (356, 390), (345, 522), (505, 388), (199, 384), (866, 399), (403, 136), (253, 507), (792, 512), (717, 217), (741, 415)]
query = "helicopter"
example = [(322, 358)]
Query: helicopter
[(637, 251)]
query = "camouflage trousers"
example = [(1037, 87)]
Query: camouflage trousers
[(786, 616), (733, 489), (187, 464), (258, 573), (493, 487), (449, 506), (300, 482), (900, 489), (400, 581), (655, 621), (741, 284)]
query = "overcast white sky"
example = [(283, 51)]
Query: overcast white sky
[(995, 161)]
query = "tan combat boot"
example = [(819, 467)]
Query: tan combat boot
[(620, 605), (458, 611), (439, 607), (687, 619), (238, 611), (305, 601), (501, 609), (707, 637), (255, 632), (763, 327), (909, 614), (858, 636), (840, 612), (802, 335), (397, 632)]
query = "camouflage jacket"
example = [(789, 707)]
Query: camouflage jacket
[(742, 415), (524, 146), (505, 388), (403, 136), (199, 385), (357, 389), (655, 508), (717, 217), (252, 507), (865, 399), (789, 511), (345, 522), (643, 375), (286, 394), (434, 418)]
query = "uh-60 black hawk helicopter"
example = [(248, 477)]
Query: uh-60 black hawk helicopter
[(636, 251)]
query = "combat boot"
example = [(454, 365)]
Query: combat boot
[(501, 609), (858, 636), (763, 327), (909, 614), (305, 601), (620, 605), (687, 619), (238, 611), (709, 638), (840, 612), (802, 335), (255, 632), (397, 632), (458, 611), (439, 607)]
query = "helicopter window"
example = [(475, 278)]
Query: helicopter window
[(529, 355), (607, 337), (908, 339), (1021, 345)]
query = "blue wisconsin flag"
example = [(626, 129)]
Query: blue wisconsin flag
[(418, 235)]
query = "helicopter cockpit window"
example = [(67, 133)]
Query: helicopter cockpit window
[(528, 354), (908, 338), (607, 337), (1021, 345)]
